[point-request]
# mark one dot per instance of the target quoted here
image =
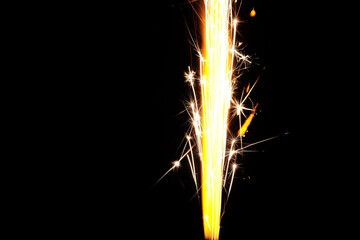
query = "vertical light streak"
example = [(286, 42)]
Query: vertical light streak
[(219, 58), (216, 98)]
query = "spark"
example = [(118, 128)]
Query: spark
[(189, 76), (219, 53), (213, 105), (192, 164), (177, 164), (264, 140), (246, 124), (166, 173), (253, 13), (232, 178), (220, 57), (232, 152)]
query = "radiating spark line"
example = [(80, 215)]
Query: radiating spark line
[(261, 141), (193, 172), (175, 164), (248, 92), (192, 163), (232, 179), (228, 160)]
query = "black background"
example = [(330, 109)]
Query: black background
[(133, 93), (273, 198), (280, 199)]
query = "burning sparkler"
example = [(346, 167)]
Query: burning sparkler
[(216, 99), (217, 85), (213, 101)]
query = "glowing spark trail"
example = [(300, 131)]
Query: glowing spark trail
[(216, 91), (216, 96), (213, 101), (246, 124)]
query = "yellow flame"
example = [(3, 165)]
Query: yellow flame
[(216, 95), (247, 122)]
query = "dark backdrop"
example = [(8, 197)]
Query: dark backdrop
[(274, 193), (130, 129)]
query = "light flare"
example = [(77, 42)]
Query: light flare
[(253, 13), (213, 101), (216, 99)]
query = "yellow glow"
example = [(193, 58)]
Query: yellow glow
[(252, 13), (216, 96)]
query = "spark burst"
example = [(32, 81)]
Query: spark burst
[(216, 91), (213, 106)]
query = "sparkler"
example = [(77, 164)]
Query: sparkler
[(216, 91), (217, 85), (213, 101)]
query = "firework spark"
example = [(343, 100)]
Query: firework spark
[(213, 101), (216, 98), (253, 13)]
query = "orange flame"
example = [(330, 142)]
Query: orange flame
[(247, 122)]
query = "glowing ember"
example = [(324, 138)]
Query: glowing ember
[(246, 124), (252, 13)]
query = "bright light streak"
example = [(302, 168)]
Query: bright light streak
[(213, 101), (216, 99), (247, 122)]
